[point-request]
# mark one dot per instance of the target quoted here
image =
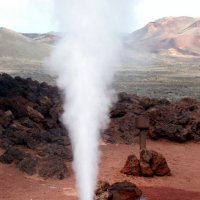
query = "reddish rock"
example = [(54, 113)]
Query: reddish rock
[(131, 166), (159, 165), (19, 105), (145, 163), (104, 196), (125, 191), (34, 114), (146, 156), (117, 191), (45, 104), (146, 169), (45, 101), (153, 163), (102, 186)]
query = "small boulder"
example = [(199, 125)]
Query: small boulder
[(145, 169), (102, 187), (34, 114), (153, 163), (146, 156), (125, 191), (117, 191), (104, 196), (159, 165), (131, 166), (45, 101), (18, 106)]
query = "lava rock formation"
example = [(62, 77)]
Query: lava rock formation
[(34, 138)]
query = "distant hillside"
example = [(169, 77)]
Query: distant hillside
[(176, 37), (15, 45), (169, 40), (49, 38)]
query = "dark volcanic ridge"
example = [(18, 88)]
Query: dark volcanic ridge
[(34, 138)]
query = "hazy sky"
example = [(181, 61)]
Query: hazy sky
[(38, 15)]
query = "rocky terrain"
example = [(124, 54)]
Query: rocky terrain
[(174, 121), (33, 137), (151, 163), (162, 62), (30, 129)]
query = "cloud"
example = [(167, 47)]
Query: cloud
[(38, 15), (150, 10), (27, 15)]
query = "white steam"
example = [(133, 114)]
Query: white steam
[(85, 61)]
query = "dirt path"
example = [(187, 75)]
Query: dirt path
[(184, 184)]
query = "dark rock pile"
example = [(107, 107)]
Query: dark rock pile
[(122, 128), (178, 121), (151, 163), (117, 191), (30, 131)]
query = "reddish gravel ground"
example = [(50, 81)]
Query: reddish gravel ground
[(184, 184)]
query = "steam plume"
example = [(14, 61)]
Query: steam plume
[(85, 61)]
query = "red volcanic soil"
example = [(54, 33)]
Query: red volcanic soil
[(184, 184)]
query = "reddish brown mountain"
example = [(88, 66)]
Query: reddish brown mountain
[(169, 36)]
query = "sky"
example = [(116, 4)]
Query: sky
[(38, 15)]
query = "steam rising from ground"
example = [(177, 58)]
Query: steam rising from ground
[(85, 61)]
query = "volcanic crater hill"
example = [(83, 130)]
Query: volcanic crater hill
[(32, 136), (170, 36)]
